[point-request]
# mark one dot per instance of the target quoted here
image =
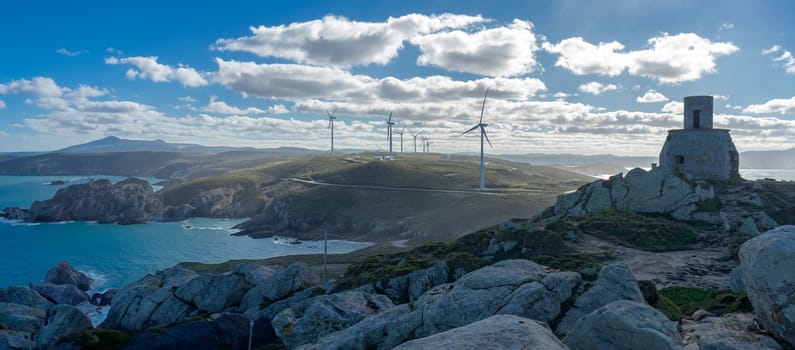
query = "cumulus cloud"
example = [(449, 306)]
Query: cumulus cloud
[(65, 52), (222, 107), (596, 88), (674, 107), (501, 51), (338, 41), (38, 86), (296, 82), (149, 68), (669, 59), (651, 96), (772, 49), (777, 105)]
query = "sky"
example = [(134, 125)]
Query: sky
[(569, 76)]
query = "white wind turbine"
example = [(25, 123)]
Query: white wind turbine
[(389, 124), (401, 138), (331, 118), (415, 139), (482, 127)]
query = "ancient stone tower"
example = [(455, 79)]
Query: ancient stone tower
[(698, 151)]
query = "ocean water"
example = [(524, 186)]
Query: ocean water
[(758, 174), (115, 255)]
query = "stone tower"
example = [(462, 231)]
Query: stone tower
[(698, 151)]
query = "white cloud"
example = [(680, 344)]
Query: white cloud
[(277, 109), (669, 59), (340, 42), (38, 86), (651, 96), (787, 60), (66, 52), (562, 95), (778, 105), (222, 107), (501, 51), (726, 26), (298, 82), (596, 88), (772, 49), (187, 99), (2, 104), (114, 51), (674, 107), (149, 68)]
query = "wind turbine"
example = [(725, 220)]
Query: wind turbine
[(428, 145), (331, 118), (389, 124), (424, 143), (415, 139), (401, 138), (482, 127)]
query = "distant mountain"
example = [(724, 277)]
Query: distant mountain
[(783, 159), (115, 144)]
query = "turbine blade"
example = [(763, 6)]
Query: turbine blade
[(329, 123), (482, 108), (487, 136), (473, 128), (390, 117)]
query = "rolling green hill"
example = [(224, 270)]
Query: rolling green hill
[(416, 196)]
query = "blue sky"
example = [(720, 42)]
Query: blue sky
[(565, 76)]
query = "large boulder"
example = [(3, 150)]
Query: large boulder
[(214, 293), (407, 288), (104, 298), (224, 331), (295, 277), (615, 282), (257, 274), (382, 331), (727, 332), (24, 296), (13, 340), (325, 314), (517, 287), (768, 275), (21, 318), (130, 201), (624, 325), (495, 332), (655, 191), (126, 305), (62, 320), (63, 273), (61, 293)]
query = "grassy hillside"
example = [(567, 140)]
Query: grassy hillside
[(402, 210)]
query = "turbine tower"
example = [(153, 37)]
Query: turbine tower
[(482, 127), (331, 118), (401, 138), (389, 124)]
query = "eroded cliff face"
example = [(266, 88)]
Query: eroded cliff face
[(131, 201), (232, 201)]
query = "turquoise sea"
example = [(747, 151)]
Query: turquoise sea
[(113, 254)]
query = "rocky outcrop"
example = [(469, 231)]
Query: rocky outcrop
[(214, 293), (295, 277), (511, 287), (640, 191), (624, 325), (495, 332), (24, 296), (223, 331), (407, 288), (63, 273), (131, 201), (767, 263), (615, 282), (727, 332), (21, 318), (326, 314), (61, 321), (104, 298), (61, 293)]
